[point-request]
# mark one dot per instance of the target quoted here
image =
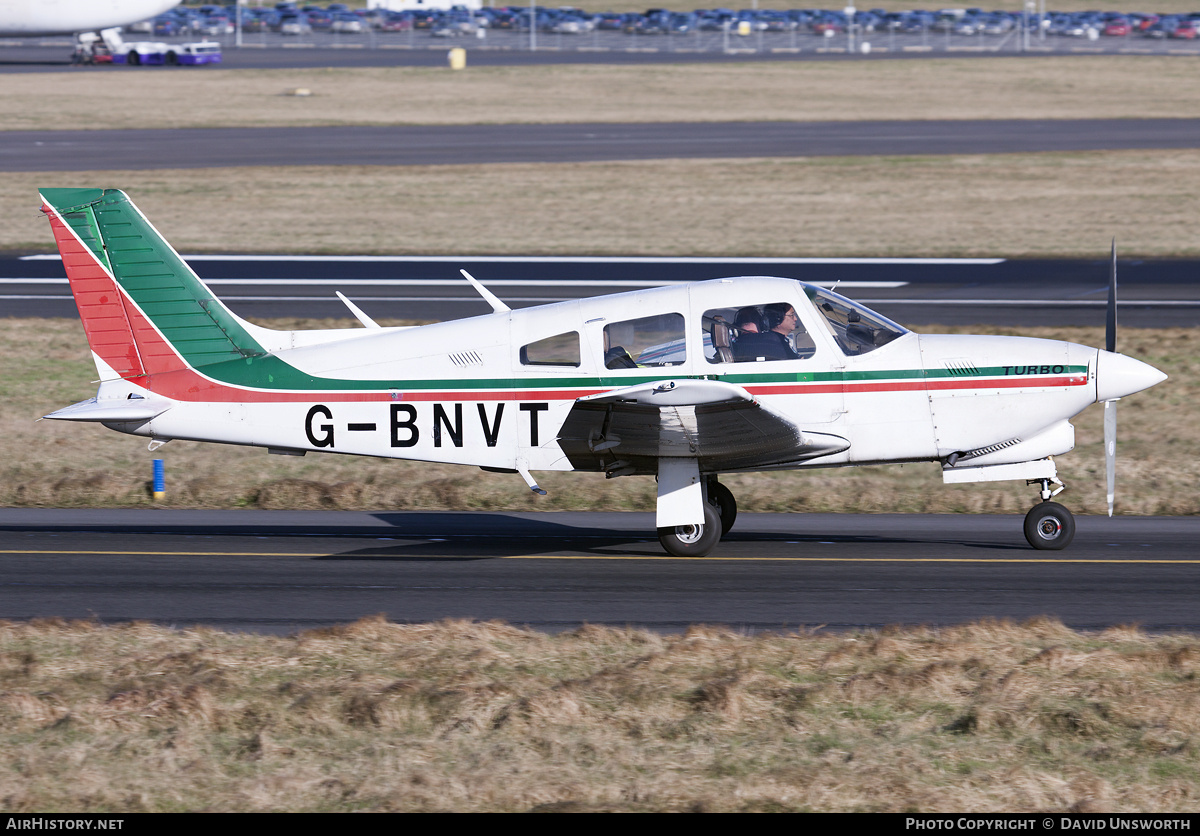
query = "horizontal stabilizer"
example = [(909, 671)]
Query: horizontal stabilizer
[(112, 409)]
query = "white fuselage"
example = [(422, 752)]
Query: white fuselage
[(460, 392), (21, 18)]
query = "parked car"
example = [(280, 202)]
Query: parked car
[(608, 21), (1117, 27), (396, 22), (294, 24), (999, 23), (1184, 29), (165, 26), (829, 22), (347, 23)]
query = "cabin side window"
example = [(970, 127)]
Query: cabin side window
[(755, 334), (559, 350), (649, 341)]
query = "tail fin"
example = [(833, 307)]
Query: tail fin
[(143, 309)]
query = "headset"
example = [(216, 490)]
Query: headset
[(751, 314), (775, 314)]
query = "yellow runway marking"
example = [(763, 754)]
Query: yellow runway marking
[(1042, 560)]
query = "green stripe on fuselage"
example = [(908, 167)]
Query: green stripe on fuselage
[(269, 372)]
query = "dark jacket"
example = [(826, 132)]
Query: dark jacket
[(769, 346)]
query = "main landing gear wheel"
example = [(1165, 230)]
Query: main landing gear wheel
[(1049, 525), (693, 540), (722, 499)]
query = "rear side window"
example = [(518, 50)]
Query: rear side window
[(559, 350), (649, 341)]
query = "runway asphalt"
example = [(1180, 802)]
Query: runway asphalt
[(915, 292), (284, 571), (563, 143)]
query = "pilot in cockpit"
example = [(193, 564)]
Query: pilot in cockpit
[(771, 343)]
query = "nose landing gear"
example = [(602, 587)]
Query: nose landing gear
[(1048, 525)]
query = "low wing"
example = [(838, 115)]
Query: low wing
[(627, 430)]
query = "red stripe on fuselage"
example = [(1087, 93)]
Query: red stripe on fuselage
[(187, 385)]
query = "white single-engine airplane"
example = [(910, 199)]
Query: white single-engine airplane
[(683, 382), (22, 18)]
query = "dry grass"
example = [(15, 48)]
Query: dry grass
[(1010, 205), (466, 716), (71, 465), (1001, 88)]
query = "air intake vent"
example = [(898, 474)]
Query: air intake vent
[(961, 368), (466, 358)]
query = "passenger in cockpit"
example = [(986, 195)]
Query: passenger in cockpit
[(749, 320)]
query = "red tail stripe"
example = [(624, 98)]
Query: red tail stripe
[(100, 303), (115, 328)]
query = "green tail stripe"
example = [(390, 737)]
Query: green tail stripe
[(195, 322)]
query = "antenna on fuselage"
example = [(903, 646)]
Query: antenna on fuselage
[(489, 297), (357, 311)]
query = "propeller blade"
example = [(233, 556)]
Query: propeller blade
[(1110, 451), (1110, 407), (1110, 331)]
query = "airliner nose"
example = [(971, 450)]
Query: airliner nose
[(1118, 376)]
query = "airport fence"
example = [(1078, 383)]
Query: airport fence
[(1016, 41)]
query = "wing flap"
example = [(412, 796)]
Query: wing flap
[(722, 425)]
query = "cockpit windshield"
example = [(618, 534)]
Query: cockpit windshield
[(858, 330)]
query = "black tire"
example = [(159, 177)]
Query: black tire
[(172, 59), (1049, 526), (722, 499), (134, 59), (693, 540)]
